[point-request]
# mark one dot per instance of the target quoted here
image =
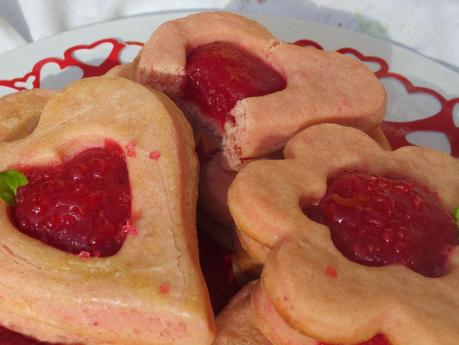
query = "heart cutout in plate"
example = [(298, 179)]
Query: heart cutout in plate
[(435, 140), (27, 84), (54, 76), (94, 56), (404, 106), (128, 53), (455, 107)]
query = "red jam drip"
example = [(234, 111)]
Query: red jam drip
[(80, 205), (376, 340), (220, 74), (377, 221)]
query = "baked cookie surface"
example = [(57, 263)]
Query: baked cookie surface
[(20, 112), (309, 283)]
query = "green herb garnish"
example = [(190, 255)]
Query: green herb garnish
[(10, 181)]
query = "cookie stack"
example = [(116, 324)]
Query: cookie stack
[(345, 240)]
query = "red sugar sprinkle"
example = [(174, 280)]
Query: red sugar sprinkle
[(95, 323), (129, 229), (130, 149), (155, 155), (84, 254), (331, 272), (164, 288)]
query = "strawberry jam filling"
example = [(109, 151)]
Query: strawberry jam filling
[(81, 206), (378, 221), (220, 74)]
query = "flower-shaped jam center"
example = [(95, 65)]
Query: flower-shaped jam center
[(220, 74), (80, 206), (377, 221)]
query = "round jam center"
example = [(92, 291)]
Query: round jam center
[(79, 206), (220, 74), (378, 221)]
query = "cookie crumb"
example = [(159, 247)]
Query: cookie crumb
[(164, 288), (331, 272), (154, 155), (130, 149)]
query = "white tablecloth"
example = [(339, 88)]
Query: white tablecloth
[(430, 27)]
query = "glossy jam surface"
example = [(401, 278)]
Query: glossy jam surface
[(378, 221), (220, 74), (376, 340), (80, 206)]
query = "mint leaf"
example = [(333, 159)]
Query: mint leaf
[(456, 215), (10, 181)]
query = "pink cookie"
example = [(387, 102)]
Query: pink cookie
[(320, 86), (307, 282)]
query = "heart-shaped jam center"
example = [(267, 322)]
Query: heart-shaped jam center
[(81, 206), (377, 221), (219, 74)]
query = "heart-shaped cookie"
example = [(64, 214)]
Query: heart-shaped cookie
[(394, 207), (252, 90), (152, 289)]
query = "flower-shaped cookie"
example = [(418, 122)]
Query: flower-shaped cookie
[(316, 292), (213, 193), (252, 90), (56, 296)]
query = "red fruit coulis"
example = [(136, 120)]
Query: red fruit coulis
[(377, 221), (220, 74), (79, 206)]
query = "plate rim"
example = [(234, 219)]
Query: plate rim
[(253, 15)]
